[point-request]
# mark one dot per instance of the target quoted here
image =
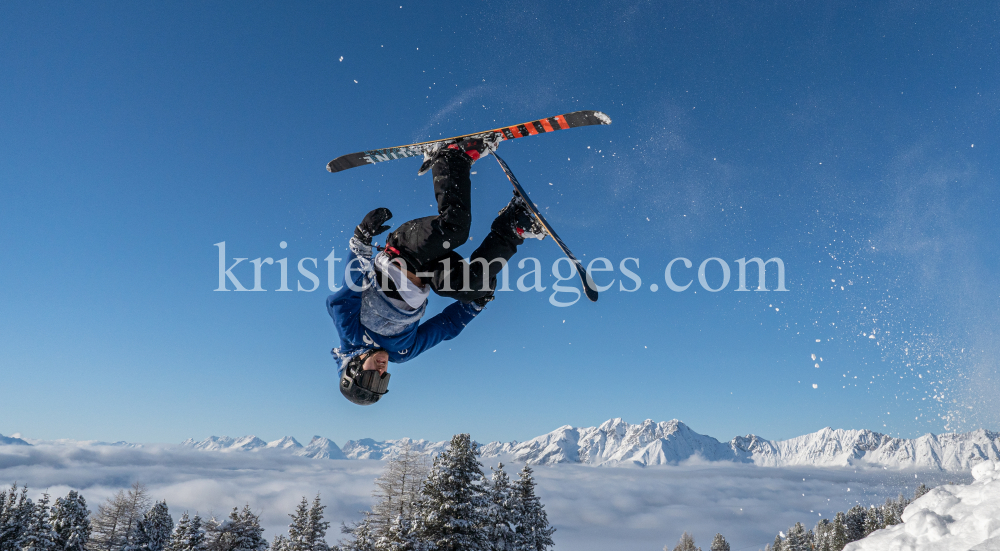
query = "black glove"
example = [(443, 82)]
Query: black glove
[(372, 225), (481, 301)]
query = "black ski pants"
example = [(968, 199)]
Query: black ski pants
[(427, 244)]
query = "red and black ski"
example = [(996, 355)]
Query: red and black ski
[(540, 126), (589, 288)]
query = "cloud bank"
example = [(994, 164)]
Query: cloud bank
[(592, 508)]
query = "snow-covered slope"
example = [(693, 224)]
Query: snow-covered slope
[(616, 443), (949, 517)]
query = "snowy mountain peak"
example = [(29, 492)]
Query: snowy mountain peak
[(12, 440), (285, 443), (321, 448), (248, 443)]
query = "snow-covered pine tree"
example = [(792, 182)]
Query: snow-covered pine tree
[(38, 534), (316, 527), (240, 532), (778, 544), (116, 518), (15, 515), (838, 532), (873, 521), (533, 530), (821, 535), (279, 543), (855, 523), (921, 490), (501, 512), (178, 540), (719, 543), (361, 536), (454, 502), (299, 527), (686, 543), (189, 535), (152, 532), (796, 540), (71, 522)]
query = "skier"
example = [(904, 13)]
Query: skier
[(377, 312)]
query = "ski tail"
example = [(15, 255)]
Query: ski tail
[(531, 128), (589, 287)]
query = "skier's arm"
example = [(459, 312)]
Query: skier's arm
[(444, 326), (344, 306)]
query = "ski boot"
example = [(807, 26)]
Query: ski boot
[(474, 148), (518, 218)]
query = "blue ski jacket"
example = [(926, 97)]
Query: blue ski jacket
[(345, 305)]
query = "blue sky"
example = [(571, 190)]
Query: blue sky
[(855, 142)]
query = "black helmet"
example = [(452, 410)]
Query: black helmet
[(363, 387)]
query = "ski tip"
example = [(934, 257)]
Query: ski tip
[(591, 294), (604, 120)]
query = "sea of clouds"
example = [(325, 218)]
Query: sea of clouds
[(592, 507)]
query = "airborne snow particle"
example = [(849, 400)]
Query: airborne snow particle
[(815, 385), (355, 82), (342, 58), (814, 357)]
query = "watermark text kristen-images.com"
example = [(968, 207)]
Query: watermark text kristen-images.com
[(713, 274)]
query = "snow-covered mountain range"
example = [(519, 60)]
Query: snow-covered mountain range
[(617, 443), (318, 447)]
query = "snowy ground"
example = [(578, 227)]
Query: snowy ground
[(946, 518), (592, 507)]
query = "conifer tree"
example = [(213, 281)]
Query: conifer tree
[(821, 535), (838, 532), (920, 491), (152, 532), (796, 540), (280, 543), (778, 544), (501, 512), (361, 535), (873, 521), (451, 513), (71, 523), (240, 532), (855, 523), (299, 527), (178, 540), (189, 535), (316, 527), (533, 530), (686, 543), (15, 515), (38, 534), (719, 543)]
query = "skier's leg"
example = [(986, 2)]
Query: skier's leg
[(466, 281), (424, 241)]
